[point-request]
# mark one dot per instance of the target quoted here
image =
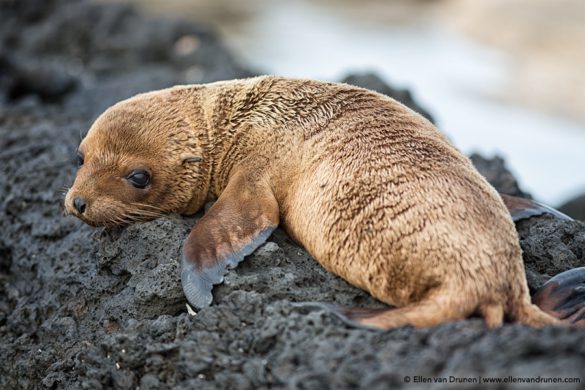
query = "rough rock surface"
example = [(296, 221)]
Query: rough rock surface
[(94, 308)]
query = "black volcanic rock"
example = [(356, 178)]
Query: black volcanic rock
[(103, 308)]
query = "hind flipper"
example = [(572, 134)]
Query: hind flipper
[(422, 314), (563, 297), (431, 311), (522, 208)]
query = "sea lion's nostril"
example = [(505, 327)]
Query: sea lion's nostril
[(79, 205)]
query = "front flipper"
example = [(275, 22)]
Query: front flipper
[(240, 221), (522, 208), (563, 296)]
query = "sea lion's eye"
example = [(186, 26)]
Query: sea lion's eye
[(79, 160), (139, 179)]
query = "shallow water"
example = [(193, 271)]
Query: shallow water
[(454, 77)]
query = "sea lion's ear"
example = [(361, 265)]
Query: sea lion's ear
[(190, 158), (563, 297), (522, 208), (240, 221)]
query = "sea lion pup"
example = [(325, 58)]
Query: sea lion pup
[(371, 189)]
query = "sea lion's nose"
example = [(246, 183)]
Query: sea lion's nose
[(79, 204)]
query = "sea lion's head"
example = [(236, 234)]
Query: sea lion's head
[(139, 160)]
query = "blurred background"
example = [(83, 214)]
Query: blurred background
[(503, 77)]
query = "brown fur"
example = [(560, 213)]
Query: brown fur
[(371, 189)]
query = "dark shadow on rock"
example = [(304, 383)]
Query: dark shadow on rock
[(22, 77)]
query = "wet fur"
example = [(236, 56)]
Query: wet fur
[(371, 189)]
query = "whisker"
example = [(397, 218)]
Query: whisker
[(143, 213), (116, 221), (127, 217), (148, 206)]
